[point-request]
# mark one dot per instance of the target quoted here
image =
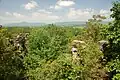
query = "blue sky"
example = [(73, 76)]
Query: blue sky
[(48, 11)]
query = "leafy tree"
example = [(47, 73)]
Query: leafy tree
[(94, 27), (113, 31), (11, 62)]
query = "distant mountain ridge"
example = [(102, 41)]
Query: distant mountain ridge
[(71, 23), (24, 24)]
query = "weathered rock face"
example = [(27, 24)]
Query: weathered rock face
[(79, 43), (74, 53), (76, 44), (103, 44), (0, 26), (20, 42)]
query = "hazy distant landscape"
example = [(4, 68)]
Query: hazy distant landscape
[(72, 23)]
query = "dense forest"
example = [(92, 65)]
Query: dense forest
[(44, 53)]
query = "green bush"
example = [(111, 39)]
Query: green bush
[(48, 43), (11, 64), (50, 58)]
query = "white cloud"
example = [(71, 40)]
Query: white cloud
[(105, 13), (62, 3), (102, 11), (85, 14), (8, 13), (92, 11), (80, 14), (65, 3), (12, 17), (17, 15), (44, 11), (56, 7), (43, 16), (51, 7), (31, 5), (38, 15)]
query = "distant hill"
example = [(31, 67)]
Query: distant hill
[(75, 23), (22, 24), (72, 23)]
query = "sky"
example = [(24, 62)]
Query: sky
[(50, 11)]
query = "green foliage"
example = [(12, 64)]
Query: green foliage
[(94, 28), (49, 54), (59, 69), (114, 28), (62, 68), (114, 65), (48, 43), (45, 44), (11, 63), (50, 58), (104, 31), (49, 51), (112, 33)]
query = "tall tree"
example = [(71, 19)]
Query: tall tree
[(114, 28)]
